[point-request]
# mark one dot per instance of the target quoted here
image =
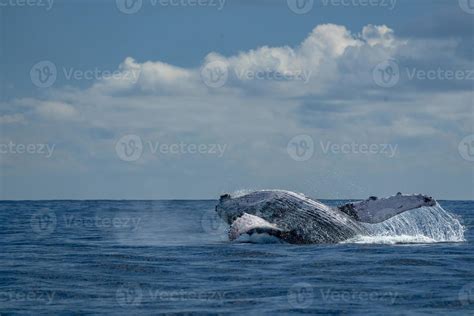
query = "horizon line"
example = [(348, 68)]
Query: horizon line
[(190, 200)]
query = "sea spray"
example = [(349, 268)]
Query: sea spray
[(423, 225)]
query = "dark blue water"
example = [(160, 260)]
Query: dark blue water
[(149, 257)]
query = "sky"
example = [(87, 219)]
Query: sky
[(190, 99)]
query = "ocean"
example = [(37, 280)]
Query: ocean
[(152, 257)]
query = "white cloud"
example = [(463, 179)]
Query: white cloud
[(256, 118), (378, 35), (12, 119), (318, 56), (57, 110)]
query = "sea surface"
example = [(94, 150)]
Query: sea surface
[(151, 257)]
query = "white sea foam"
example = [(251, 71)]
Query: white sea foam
[(390, 240), (239, 193)]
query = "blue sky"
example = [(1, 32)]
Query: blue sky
[(301, 108)]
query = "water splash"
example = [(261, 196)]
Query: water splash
[(422, 225), (390, 240), (239, 193)]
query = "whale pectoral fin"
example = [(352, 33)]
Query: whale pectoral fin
[(374, 210), (251, 224)]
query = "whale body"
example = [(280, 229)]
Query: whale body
[(297, 219)]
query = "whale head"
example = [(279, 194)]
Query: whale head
[(228, 209), (233, 206)]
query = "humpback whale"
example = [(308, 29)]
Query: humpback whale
[(297, 219)]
